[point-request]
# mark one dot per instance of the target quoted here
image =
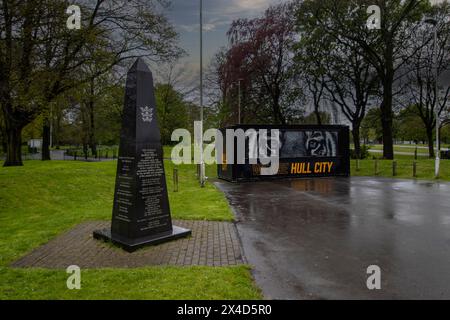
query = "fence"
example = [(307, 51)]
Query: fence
[(399, 168), (101, 155)]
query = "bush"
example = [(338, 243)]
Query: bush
[(364, 152)]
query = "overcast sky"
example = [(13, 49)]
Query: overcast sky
[(217, 16)]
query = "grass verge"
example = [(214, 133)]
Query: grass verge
[(424, 168), (43, 199), (153, 283)]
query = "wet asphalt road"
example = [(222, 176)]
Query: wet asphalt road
[(314, 239)]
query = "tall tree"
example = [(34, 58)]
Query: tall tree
[(371, 126), (259, 60), (339, 70), (419, 89), (352, 86), (384, 48), (172, 110), (2, 134), (311, 52), (40, 58), (410, 126)]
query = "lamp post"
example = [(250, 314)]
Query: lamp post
[(436, 107), (202, 164)]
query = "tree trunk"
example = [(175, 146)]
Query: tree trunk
[(318, 117), (440, 139), (357, 141), (14, 147), (279, 117), (56, 131), (430, 142), (92, 142), (387, 121), (46, 132), (93, 147), (85, 150), (91, 119), (386, 106), (276, 108), (4, 144)]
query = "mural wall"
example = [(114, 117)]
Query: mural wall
[(317, 143), (305, 151)]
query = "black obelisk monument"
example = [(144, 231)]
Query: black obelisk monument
[(141, 212)]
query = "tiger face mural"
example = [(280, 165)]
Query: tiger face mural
[(320, 144), (317, 143)]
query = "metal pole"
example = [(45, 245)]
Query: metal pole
[(239, 102), (175, 180), (51, 126), (394, 168), (438, 151), (202, 165), (434, 22)]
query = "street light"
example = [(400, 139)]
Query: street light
[(436, 107), (202, 164)]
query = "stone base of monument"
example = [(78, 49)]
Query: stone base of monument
[(132, 245)]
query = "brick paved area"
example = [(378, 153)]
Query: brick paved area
[(211, 244)]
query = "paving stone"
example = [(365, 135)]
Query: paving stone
[(211, 244)]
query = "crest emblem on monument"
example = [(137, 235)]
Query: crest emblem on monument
[(147, 114)]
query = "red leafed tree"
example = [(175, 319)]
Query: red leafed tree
[(259, 59)]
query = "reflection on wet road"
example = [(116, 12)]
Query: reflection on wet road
[(315, 238)]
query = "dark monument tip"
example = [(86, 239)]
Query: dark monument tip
[(140, 65), (141, 212)]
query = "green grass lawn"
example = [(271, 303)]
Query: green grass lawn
[(406, 148), (425, 165), (153, 283), (425, 168), (43, 199)]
